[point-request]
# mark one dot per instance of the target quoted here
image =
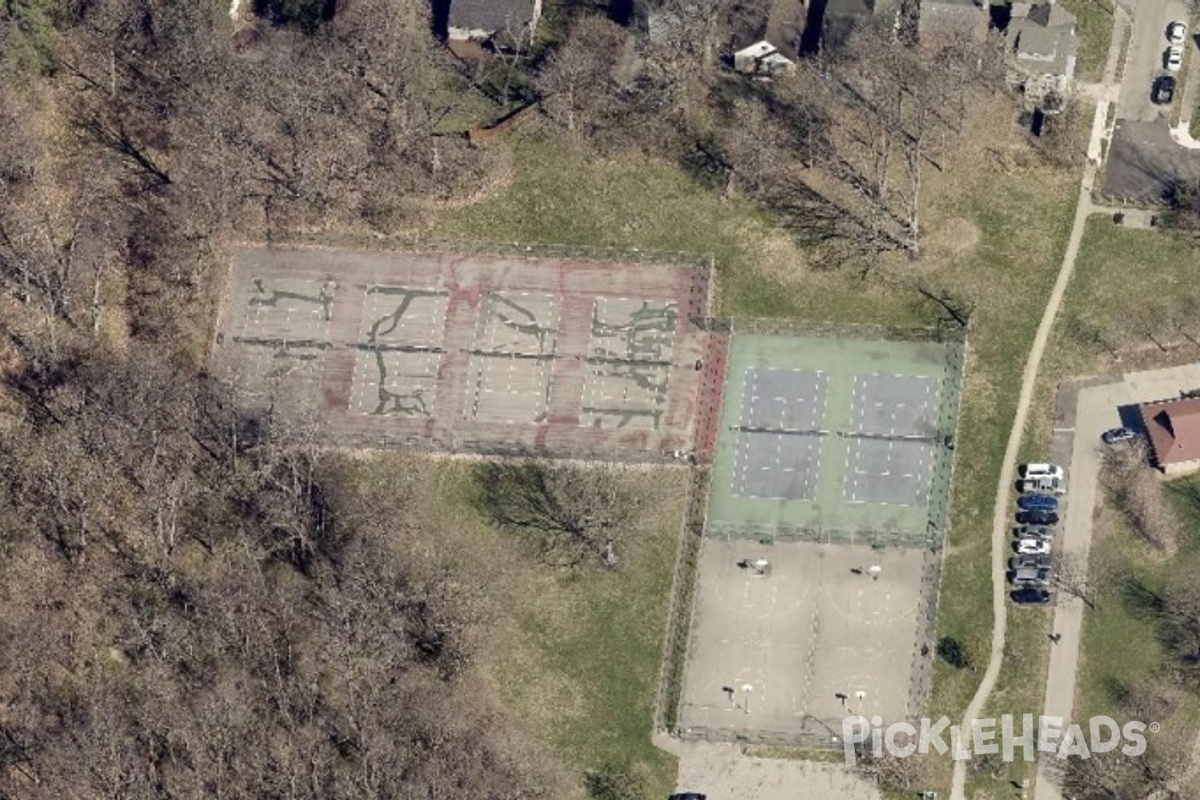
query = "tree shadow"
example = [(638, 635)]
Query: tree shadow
[(308, 15), (1140, 597)]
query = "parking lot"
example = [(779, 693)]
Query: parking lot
[(1143, 162), (1144, 61)]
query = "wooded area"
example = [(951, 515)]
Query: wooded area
[(201, 600)]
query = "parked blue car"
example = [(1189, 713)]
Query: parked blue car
[(1037, 502)]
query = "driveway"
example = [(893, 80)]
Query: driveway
[(1144, 59), (1096, 410)]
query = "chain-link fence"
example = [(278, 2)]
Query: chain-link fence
[(836, 330), (783, 533), (679, 613)]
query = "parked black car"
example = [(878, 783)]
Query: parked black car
[(1118, 435), (1037, 517), (1163, 90), (688, 796), (1031, 597)]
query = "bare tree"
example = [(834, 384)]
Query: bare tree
[(1071, 576), (183, 578), (1115, 776), (575, 83), (1183, 202), (1136, 492), (572, 514)]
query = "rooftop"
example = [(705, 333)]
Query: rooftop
[(1043, 37), (492, 15), (1174, 430)]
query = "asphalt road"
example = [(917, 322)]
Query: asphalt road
[(1144, 61)]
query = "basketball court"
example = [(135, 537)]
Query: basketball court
[(821, 633)]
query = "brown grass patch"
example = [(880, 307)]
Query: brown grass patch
[(952, 238)]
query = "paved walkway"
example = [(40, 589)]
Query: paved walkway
[(723, 772), (1003, 507), (1095, 412)]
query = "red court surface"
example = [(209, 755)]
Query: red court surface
[(479, 353)]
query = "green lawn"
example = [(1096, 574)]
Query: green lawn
[(1023, 230), (1122, 648), (1104, 310), (558, 196), (1094, 20), (577, 656)]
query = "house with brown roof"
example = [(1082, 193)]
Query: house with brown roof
[(1173, 427)]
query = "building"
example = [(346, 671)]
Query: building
[(504, 23), (947, 21), (1043, 48), (1173, 428), (762, 58)]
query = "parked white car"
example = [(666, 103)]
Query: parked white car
[(1029, 471), (1033, 547), (1174, 58), (1177, 32), (1043, 484)]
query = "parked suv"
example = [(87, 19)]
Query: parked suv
[(1043, 484), (1177, 33), (1173, 58), (1162, 93)]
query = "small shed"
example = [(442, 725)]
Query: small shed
[(1173, 427), (762, 58)]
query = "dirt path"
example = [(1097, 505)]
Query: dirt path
[(1003, 507)]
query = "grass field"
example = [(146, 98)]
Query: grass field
[(1094, 22), (1105, 310), (577, 654), (557, 195), (1123, 650)]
